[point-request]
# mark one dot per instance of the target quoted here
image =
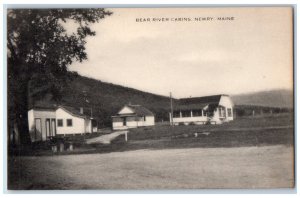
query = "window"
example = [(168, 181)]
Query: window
[(139, 119), (229, 112), (60, 123), (222, 112), (132, 118), (117, 119), (69, 122)]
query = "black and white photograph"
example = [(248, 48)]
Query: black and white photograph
[(156, 98)]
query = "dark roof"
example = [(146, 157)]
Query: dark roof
[(197, 102), (190, 106), (201, 100), (140, 110), (42, 108), (72, 110)]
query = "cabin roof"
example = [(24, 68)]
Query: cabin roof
[(201, 100), (72, 110), (43, 108), (198, 102), (190, 106), (139, 110)]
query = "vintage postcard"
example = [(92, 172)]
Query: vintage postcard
[(150, 98)]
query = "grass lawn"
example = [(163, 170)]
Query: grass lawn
[(246, 153), (240, 124), (257, 131), (251, 131)]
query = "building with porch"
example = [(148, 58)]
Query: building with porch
[(132, 116), (215, 109)]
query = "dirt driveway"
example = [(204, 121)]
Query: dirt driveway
[(244, 167), (105, 139)]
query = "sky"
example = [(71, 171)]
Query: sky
[(253, 52)]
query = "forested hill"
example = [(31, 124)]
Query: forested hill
[(106, 98)]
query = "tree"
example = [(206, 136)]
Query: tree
[(40, 49)]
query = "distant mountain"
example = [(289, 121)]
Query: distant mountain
[(273, 98)]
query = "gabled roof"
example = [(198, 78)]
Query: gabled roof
[(43, 108), (198, 102), (74, 111), (71, 110), (140, 110), (201, 100)]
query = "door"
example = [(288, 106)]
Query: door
[(38, 130), (48, 129), (124, 121), (53, 127)]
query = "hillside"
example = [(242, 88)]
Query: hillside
[(273, 98), (106, 99)]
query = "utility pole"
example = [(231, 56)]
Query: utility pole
[(171, 109), (91, 108)]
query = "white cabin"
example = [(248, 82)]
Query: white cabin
[(132, 116), (215, 109), (45, 123)]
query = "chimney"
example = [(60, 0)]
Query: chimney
[(81, 110)]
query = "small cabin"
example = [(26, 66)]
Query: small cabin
[(215, 109), (45, 123), (132, 116)]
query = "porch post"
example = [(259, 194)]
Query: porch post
[(180, 114), (91, 125), (191, 113)]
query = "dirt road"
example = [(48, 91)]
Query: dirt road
[(244, 167)]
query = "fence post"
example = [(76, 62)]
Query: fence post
[(61, 147), (126, 138), (54, 148), (71, 146)]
